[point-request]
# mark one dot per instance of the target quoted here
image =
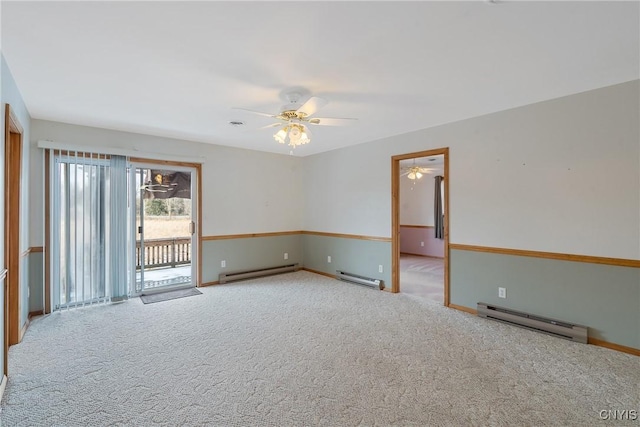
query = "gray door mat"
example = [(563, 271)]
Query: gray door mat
[(166, 296)]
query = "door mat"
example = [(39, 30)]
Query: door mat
[(166, 296)]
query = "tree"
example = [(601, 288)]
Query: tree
[(156, 207)]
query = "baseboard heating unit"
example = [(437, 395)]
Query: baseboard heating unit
[(553, 327), (359, 280), (261, 272)]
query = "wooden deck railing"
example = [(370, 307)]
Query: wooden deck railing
[(164, 252)]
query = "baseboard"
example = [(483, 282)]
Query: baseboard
[(612, 346), (463, 308), (3, 385), (422, 255), (310, 270), (204, 285), (592, 341), (35, 313)]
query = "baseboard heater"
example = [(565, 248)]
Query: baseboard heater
[(261, 272), (553, 327), (359, 280)]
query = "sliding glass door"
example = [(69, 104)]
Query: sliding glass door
[(164, 221), (119, 229)]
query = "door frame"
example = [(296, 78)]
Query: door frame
[(395, 216), (196, 213), (12, 256)]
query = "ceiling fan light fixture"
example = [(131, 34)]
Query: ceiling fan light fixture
[(304, 138), (281, 135), (293, 134), (415, 172), (294, 119)]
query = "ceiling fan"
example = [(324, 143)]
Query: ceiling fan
[(416, 172), (295, 117)]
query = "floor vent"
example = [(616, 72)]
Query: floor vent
[(359, 280), (553, 327), (261, 272)]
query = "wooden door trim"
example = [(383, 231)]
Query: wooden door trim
[(395, 216), (12, 190)]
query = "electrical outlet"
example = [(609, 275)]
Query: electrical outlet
[(421, 243), (286, 255), (223, 263), (380, 268), (502, 292), (329, 259)]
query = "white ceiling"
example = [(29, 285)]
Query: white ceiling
[(176, 69)]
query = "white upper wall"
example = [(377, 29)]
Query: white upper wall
[(10, 94), (417, 200), (559, 176), (243, 191)]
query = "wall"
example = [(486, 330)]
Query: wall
[(416, 214), (531, 178), (606, 298), (244, 191), (416, 200), (250, 253), (349, 254), (10, 94), (420, 240), (2, 260)]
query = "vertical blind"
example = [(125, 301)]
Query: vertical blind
[(90, 254)]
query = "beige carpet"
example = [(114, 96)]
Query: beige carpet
[(422, 277), (300, 350)]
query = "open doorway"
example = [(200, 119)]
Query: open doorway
[(165, 224), (420, 225)]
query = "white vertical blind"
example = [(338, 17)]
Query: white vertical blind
[(118, 259), (89, 228)]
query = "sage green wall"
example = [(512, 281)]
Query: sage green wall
[(354, 256), (36, 279), (248, 253), (605, 298)]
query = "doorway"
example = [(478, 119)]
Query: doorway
[(165, 224), (420, 224)]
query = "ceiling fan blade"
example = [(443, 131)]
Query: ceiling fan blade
[(256, 112), (330, 121), (428, 170), (272, 125), (312, 105)]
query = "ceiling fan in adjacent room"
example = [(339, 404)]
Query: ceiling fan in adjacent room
[(415, 172), (295, 118)]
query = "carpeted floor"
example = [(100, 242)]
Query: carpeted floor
[(422, 277), (301, 349)]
